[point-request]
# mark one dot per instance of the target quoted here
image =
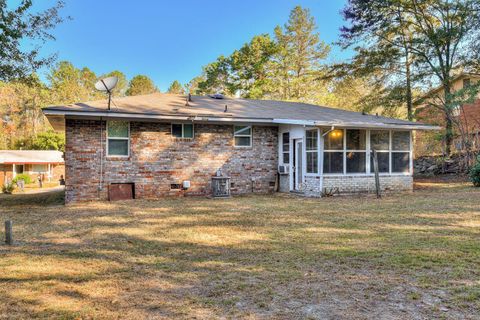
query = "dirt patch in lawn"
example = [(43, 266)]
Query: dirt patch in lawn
[(405, 256)]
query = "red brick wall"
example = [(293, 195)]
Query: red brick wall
[(158, 160)]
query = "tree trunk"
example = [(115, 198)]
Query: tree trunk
[(448, 117), (409, 87)]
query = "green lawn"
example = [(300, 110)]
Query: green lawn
[(405, 256)]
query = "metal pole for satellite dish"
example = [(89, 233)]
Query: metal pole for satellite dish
[(109, 94)]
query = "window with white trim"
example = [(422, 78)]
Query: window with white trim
[(118, 138), (242, 136), (182, 130), (286, 147), (333, 152), (311, 149), (39, 168)]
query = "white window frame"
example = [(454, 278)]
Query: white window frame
[(183, 131), (235, 134), (339, 151), (305, 171), (389, 151), (118, 138), (369, 169), (40, 164), (282, 152), (346, 150), (410, 153)]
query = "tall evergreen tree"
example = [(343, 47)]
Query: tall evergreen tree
[(140, 84), (176, 88), (297, 63), (218, 77), (250, 67)]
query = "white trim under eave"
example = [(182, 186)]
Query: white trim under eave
[(361, 125)]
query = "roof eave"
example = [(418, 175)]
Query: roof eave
[(139, 116)]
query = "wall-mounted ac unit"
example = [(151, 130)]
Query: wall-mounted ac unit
[(284, 169)]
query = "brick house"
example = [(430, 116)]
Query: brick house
[(466, 115), (154, 143), (49, 165)]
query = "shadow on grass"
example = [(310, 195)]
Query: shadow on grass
[(49, 198), (257, 256)]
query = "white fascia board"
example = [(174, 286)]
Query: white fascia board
[(238, 120), (379, 125)]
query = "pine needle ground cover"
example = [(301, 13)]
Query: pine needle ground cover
[(412, 255)]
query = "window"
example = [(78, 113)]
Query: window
[(356, 151), (242, 136), (286, 147), (312, 151), (118, 138), (400, 151), (182, 130), (39, 168), (333, 154)]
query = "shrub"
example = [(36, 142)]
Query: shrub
[(25, 177), (475, 173), (8, 188)]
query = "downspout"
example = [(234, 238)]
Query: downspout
[(323, 157), (100, 181)]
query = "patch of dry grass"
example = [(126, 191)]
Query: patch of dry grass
[(403, 256)]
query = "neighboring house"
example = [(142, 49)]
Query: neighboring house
[(466, 115), (151, 144), (48, 164)]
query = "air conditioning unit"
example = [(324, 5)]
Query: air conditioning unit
[(284, 169)]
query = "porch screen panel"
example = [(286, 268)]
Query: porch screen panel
[(400, 151), (312, 151), (334, 152), (356, 150), (380, 141)]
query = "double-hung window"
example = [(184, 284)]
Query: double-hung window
[(242, 136), (333, 152), (286, 147), (311, 149), (182, 130), (118, 138)]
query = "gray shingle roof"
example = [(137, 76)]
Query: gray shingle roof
[(158, 104), (31, 156)]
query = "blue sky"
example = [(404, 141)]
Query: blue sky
[(169, 40)]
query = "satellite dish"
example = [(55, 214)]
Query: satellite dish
[(106, 85)]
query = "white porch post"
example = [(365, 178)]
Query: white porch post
[(49, 172), (14, 171)]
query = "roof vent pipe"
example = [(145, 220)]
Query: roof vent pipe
[(226, 108), (190, 97)]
